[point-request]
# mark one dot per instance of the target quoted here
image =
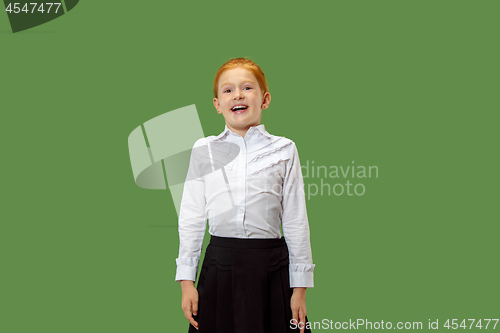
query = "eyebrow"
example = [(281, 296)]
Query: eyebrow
[(248, 81)]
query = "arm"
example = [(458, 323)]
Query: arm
[(296, 232), (192, 218), (192, 225), (296, 225)]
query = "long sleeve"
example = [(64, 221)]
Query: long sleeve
[(192, 217), (296, 226)]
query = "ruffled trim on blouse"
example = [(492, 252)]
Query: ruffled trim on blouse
[(280, 147), (279, 152), (267, 167)]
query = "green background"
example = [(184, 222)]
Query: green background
[(408, 86)]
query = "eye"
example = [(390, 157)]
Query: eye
[(227, 90), (247, 88)]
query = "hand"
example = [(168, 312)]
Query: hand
[(298, 305), (189, 301)]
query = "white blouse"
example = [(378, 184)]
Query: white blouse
[(245, 187)]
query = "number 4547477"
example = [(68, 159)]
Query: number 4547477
[(33, 7), (454, 323)]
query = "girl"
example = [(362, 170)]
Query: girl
[(246, 182)]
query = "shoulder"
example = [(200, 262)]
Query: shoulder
[(282, 143), (209, 139), (201, 142)]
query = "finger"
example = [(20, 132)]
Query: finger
[(295, 317), (302, 321), (187, 310), (193, 322), (195, 308), (189, 316)]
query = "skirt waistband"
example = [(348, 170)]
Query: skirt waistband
[(247, 243)]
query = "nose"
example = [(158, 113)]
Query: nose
[(238, 94)]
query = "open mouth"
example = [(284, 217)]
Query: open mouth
[(239, 108)]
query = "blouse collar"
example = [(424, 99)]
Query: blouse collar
[(260, 128)]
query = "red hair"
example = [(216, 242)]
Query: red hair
[(247, 64)]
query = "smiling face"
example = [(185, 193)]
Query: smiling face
[(240, 99)]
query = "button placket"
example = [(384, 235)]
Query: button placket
[(240, 192), (243, 190), (241, 187)]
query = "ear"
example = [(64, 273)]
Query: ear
[(266, 100), (217, 106)]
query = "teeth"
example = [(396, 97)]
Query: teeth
[(239, 107)]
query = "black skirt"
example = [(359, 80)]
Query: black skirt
[(244, 287)]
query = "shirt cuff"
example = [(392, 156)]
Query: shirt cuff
[(301, 275), (187, 268)]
